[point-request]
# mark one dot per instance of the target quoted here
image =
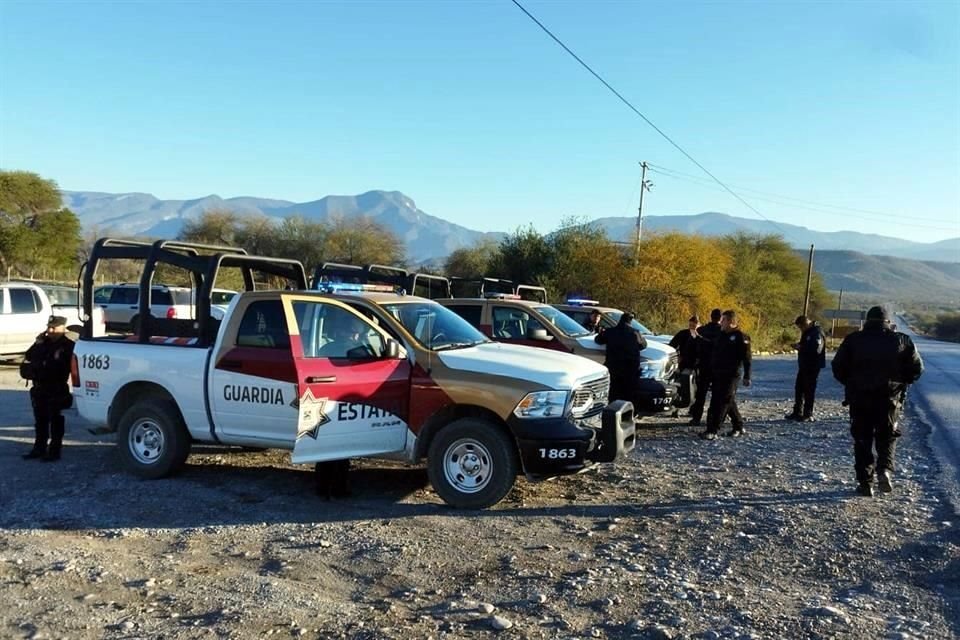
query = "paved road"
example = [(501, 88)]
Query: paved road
[(937, 397)]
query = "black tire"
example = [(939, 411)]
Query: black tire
[(458, 457), (152, 439)]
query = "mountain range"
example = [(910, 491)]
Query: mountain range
[(429, 237)]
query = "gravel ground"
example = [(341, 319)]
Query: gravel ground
[(758, 537)]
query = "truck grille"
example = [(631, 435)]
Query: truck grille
[(591, 397), (671, 368)]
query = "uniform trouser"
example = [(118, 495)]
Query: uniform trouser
[(723, 402), (48, 424), (623, 382), (873, 420), (704, 381), (804, 391)]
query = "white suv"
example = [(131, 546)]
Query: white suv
[(121, 304)]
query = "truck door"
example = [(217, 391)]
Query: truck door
[(353, 397)]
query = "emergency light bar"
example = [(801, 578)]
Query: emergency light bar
[(501, 296), (346, 287), (582, 302)]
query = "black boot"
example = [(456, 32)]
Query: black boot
[(35, 453)]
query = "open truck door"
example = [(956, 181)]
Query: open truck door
[(353, 382)]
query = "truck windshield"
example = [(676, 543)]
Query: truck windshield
[(435, 327), (564, 323), (614, 317)]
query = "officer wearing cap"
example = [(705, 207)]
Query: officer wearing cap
[(875, 365), (47, 365)]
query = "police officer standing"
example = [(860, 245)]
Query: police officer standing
[(624, 344), (875, 365), (685, 342), (811, 357), (48, 366), (729, 361), (708, 336)]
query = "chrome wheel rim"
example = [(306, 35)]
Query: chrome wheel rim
[(467, 465), (146, 441)]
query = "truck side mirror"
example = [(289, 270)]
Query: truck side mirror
[(391, 350), (539, 334)]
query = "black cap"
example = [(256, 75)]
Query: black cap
[(626, 318), (57, 321), (800, 321), (876, 313)]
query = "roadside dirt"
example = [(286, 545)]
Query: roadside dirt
[(758, 537)]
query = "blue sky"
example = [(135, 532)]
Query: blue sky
[(469, 109)]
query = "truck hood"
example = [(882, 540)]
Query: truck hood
[(552, 369), (655, 350)]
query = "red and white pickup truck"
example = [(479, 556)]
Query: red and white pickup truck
[(340, 373)]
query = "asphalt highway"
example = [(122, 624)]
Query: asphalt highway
[(936, 397)]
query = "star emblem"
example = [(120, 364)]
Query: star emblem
[(311, 416)]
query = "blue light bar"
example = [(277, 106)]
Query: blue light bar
[(353, 287), (501, 296), (582, 302)]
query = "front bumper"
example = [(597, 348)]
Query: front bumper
[(654, 396), (561, 446)]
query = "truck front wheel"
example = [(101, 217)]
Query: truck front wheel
[(472, 463), (152, 440)]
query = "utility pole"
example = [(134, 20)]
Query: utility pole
[(644, 186), (806, 296)]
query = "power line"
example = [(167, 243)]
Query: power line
[(645, 118), (660, 169), (706, 184)]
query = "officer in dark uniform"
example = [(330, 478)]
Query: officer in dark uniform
[(729, 361), (708, 335), (685, 342), (624, 344), (875, 365), (811, 358), (47, 364), (592, 323)]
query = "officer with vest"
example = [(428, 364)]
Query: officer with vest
[(47, 364), (875, 365), (811, 358), (730, 361)]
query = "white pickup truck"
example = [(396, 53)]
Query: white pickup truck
[(337, 374), (25, 308)]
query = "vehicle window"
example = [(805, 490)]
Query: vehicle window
[(580, 316), (182, 297), (222, 297), (161, 296), (23, 301), (469, 312), (66, 296), (564, 323), (513, 323), (125, 295), (435, 327), (263, 325), (329, 331), (102, 295)]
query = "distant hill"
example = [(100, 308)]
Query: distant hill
[(132, 214), (718, 224), (428, 237), (885, 277)]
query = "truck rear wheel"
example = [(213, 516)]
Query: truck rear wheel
[(472, 463), (152, 440)]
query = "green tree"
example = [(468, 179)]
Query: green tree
[(36, 232), (472, 262), (362, 241)]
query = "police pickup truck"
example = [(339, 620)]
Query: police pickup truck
[(338, 373)]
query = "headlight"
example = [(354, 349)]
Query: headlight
[(542, 404), (652, 368)]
